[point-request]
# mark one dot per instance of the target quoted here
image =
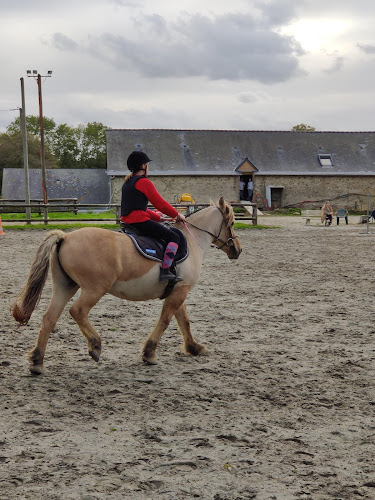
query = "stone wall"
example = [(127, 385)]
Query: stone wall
[(202, 188), (344, 191)]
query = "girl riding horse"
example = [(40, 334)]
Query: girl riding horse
[(137, 191)]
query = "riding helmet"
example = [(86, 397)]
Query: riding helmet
[(136, 159)]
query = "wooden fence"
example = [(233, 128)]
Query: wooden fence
[(71, 205)]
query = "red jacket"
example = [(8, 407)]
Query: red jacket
[(146, 187)]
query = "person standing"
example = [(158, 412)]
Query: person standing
[(137, 191), (250, 187), (242, 189)]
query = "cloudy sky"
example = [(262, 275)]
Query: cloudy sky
[(192, 64)]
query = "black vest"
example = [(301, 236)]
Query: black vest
[(131, 198)]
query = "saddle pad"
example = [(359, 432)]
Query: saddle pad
[(154, 249)]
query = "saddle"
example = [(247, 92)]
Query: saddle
[(154, 249)]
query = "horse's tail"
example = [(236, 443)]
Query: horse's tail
[(28, 299)]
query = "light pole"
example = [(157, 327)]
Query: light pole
[(38, 78), (25, 152)]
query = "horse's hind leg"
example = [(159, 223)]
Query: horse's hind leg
[(63, 291), (191, 345), (170, 306), (80, 311)]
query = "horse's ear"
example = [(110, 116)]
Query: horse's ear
[(224, 206)]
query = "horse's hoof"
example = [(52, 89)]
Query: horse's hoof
[(149, 361), (36, 369), (94, 355), (197, 350), (204, 351)]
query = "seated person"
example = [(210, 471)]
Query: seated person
[(327, 212)]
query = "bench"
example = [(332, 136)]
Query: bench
[(308, 214)]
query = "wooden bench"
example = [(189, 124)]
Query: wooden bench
[(309, 214)]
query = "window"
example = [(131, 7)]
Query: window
[(325, 160)]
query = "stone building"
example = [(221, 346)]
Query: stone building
[(287, 168), (87, 185)]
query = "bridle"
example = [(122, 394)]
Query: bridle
[(230, 240)]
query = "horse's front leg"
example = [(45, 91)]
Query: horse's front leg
[(170, 307), (190, 344)]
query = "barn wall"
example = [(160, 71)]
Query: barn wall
[(202, 188), (346, 191)]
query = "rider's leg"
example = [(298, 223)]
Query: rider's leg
[(157, 230)]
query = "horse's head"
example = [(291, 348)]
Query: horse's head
[(226, 240)]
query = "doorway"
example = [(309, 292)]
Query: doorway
[(246, 188), (274, 196)]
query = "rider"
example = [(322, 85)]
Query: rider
[(137, 191)]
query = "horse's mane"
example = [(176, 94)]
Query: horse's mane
[(226, 210), (224, 207)]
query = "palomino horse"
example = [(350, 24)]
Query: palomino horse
[(99, 261)]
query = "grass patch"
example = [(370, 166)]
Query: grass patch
[(49, 227), (110, 214)]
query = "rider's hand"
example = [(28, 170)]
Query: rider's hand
[(181, 217)]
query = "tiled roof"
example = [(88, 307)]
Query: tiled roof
[(219, 152)]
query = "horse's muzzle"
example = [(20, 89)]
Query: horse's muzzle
[(234, 252)]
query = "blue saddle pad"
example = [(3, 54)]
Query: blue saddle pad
[(154, 249)]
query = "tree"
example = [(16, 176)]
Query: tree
[(11, 152), (92, 145), (302, 127), (64, 143), (83, 146), (33, 127)]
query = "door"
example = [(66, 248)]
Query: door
[(276, 198)]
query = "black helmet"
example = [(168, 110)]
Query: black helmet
[(136, 159)]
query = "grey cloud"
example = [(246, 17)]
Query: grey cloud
[(336, 65), (62, 42), (276, 13), (231, 47), (366, 48), (247, 97)]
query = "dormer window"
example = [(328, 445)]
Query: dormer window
[(325, 160)]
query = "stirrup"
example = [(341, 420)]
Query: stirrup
[(167, 275)]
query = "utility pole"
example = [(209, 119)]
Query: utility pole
[(25, 151), (42, 150)]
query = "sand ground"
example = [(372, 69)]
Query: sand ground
[(283, 408)]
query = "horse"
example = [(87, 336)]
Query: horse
[(100, 261)]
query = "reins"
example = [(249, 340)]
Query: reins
[(229, 241)]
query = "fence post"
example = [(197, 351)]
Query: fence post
[(45, 216), (255, 214)]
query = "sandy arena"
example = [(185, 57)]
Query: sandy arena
[(283, 408)]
